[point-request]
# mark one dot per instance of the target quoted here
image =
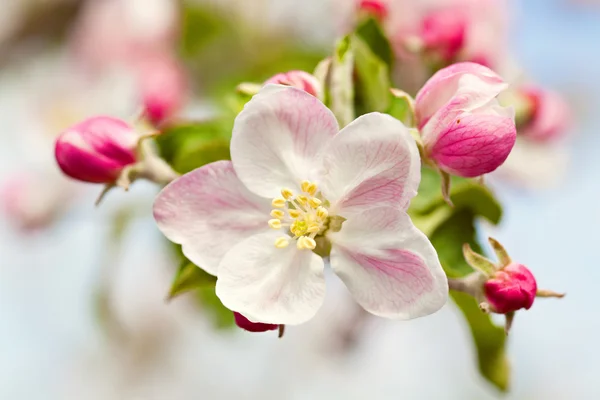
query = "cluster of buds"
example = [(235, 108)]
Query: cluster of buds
[(503, 287), (109, 151)]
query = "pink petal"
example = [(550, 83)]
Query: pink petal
[(372, 162), (475, 144), (278, 137), (444, 84), (208, 211), (389, 266), (271, 285), (472, 94)]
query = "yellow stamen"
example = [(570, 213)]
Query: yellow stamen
[(287, 193), (294, 213), (277, 214), (312, 189), (322, 212), (281, 243), (275, 223), (313, 228), (314, 202), (302, 199), (306, 243), (305, 185), (278, 202)]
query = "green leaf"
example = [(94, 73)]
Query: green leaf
[(373, 88), (341, 86), (489, 339), (188, 147), (221, 316), (190, 277), (371, 33), (402, 107)]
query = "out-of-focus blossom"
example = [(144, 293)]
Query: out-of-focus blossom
[(464, 129), (298, 79), (297, 184), (32, 201), (548, 118), (376, 8), (510, 289), (96, 150), (113, 32), (250, 326), (163, 88)]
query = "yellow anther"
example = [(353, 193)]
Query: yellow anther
[(302, 199), (313, 228), (281, 243), (279, 214), (305, 185), (305, 242), (278, 202), (287, 193), (312, 189), (314, 202), (294, 213), (322, 212), (275, 223)]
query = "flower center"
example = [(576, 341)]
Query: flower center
[(304, 216)]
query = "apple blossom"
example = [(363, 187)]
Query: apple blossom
[(549, 114), (464, 129), (503, 287), (298, 187), (510, 289), (298, 79), (162, 86), (97, 149)]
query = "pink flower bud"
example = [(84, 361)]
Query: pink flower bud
[(162, 86), (250, 326), (512, 288), (298, 79), (443, 32), (549, 117), (464, 129), (96, 150), (375, 8)]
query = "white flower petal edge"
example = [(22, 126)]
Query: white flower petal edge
[(270, 285), (278, 137), (208, 211), (389, 266), (372, 162)]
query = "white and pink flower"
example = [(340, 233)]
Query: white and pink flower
[(296, 183), (464, 129)]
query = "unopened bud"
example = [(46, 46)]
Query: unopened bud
[(96, 150), (250, 326), (510, 289), (298, 79)]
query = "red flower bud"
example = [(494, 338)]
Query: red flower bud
[(96, 150), (250, 326), (376, 8), (512, 288)]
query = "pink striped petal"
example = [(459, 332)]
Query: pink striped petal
[(271, 285), (278, 138), (443, 85), (472, 94), (389, 266), (475, 143), (372, 162), (208, 211)]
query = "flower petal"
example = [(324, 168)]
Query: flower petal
[(477, 143), (372, 162), (388, 265), (278, 137), (208, 211), (473, 93), (440, 88), (271, 285)]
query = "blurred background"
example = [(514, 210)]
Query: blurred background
[(83, 313)]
